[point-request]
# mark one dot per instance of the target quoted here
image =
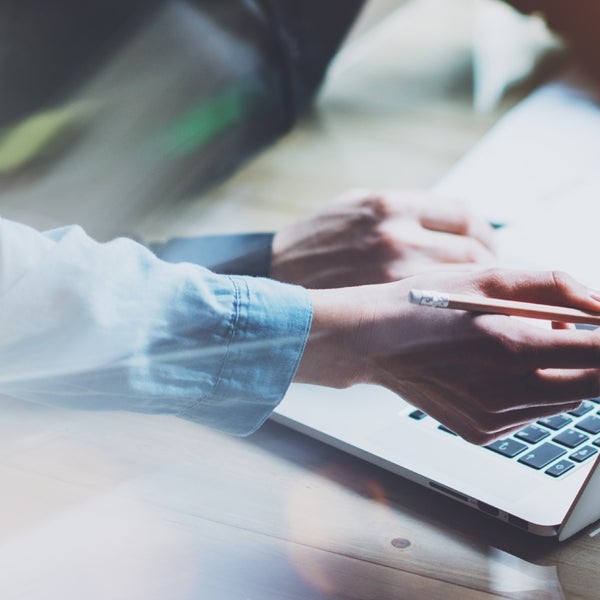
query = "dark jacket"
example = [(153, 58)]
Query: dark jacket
[(48, 50)]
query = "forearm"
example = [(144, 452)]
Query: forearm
[(109, 326), (481, 375)]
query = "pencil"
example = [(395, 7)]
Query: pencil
[(482, 304)]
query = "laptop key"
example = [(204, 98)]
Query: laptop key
[(532, 434), (590, 425), (584, 408), (446, 430), (417, 415), (570, 438), (597, 442), (560, 468), (507, 447), (539, 457), (583, 454), (555, 422)]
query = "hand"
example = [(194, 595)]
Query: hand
[(377, 237), (481, 375)]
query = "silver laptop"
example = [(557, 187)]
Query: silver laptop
[(537, 171), (544, 479)]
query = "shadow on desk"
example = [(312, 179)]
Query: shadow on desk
[(120, 505), (419, 531)]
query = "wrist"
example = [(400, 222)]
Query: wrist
[(329, 357), (353, 330)]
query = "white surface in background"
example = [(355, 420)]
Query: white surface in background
[(535, 157), (538, 171), (564, 237)]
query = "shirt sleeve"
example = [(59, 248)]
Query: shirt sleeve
[(309, 34), (111, 326), (229, 254)]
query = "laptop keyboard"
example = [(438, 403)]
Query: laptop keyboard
[(554, 445)]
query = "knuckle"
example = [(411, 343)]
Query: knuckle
[(562, 281), (480, 427), (378, 205), (376, 240), (492, 280), (369, 211), (477, 437), (385, 245)]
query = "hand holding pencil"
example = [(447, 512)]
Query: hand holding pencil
[(481, 377), (483, 304)]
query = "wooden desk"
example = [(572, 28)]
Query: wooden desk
[(120, 506)]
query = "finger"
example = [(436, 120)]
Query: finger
[(488, 344), (528, 378), (485, 438), (518, 421), (435, 212), (558, 385), (548, 391), (543, 388), (559, 325), (452, 216), (523, 346), (499, 423), (482, 428), (471, 414), (439, 246), (445, 214)]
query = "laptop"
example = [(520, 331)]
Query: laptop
[(536, 173)]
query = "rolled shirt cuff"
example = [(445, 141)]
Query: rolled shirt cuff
[(269, 328)]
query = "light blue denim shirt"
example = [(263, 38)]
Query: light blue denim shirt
[(110, 326)]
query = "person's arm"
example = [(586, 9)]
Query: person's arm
[(366, 236), (480, 375), (378, 236), (109, 326)]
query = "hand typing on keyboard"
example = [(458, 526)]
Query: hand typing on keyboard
[(482, 376), (575, 439)]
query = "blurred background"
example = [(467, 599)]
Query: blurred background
[(121, 115)]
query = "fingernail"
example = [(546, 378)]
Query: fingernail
[(595, 295)]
